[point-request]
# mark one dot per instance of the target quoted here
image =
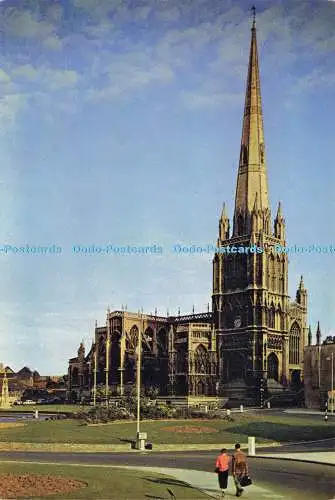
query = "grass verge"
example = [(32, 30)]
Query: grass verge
[(104, 482), (265, 428)]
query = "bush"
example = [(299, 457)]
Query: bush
[(101, 414), (157, 411), (183, 413)]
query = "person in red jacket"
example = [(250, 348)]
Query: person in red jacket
[(222, 469)]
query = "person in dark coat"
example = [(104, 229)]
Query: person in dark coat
[(222, 469), (239, 468)]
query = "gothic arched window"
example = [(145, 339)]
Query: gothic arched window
[(273, 366), (182, 359), (294, 345), (279, 324), (228, 271), (259, 269), (272, 316), (74, 376), (201, 359), (240, 224), (201, 388), (147, 340), (133, 338), (162, 342), (216, 276)]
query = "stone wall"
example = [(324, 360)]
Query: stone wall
[(317, 378)]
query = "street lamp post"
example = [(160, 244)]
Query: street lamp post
[(140, 436), (95, 375), (139, 377), (319, 366), (332, 379), (108, 335)]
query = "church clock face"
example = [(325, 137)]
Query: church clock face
[(237, 322)]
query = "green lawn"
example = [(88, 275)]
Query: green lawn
[(104, 482), (264, 428)]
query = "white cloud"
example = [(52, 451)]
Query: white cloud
[(25, 71), (4, 78), (141, 13), (314, 80), (214, 49), (10, 106), (168, 13), (128, 72), (198, 100), (60, 79), (52, 43), (23, 24), (53, 79)]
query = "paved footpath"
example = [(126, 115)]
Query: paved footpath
[(325, 457), (306, 411), (207, 482)]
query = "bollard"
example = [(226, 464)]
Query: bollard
[(228, 413), (268, 404), (241, 408), (251, 447), (141, 438), (36, 414)]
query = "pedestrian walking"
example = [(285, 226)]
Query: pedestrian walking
[(239, 468), (222, 469)]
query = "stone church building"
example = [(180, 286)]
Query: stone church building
[(253, 338)]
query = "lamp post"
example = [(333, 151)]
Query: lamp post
[(140, 436), (332, 378), (108, 335), (139, 376), (95, 375)]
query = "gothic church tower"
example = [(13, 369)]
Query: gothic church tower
[(251, 305)]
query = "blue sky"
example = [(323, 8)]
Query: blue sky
[(120, 122)]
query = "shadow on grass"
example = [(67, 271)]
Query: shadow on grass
[(130, 441), (284, 432), (167, 481), (154, 497)]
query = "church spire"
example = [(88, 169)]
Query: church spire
[(279, 224), (318, 334), (252, 175), (224, 227), (253, 8)]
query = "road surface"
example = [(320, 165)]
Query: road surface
[(293, 480)]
